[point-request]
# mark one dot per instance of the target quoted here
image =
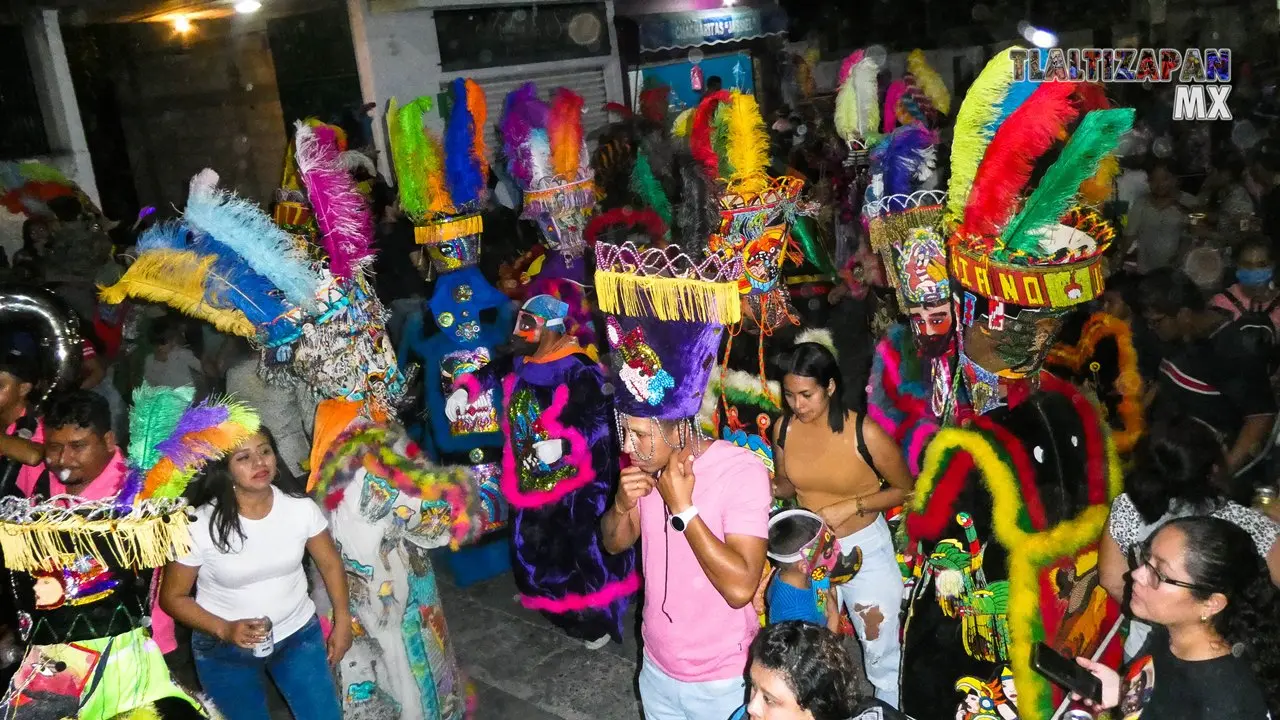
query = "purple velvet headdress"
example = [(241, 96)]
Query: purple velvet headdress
[(664, 319)]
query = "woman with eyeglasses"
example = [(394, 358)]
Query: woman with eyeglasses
[(1178, 472), (1215, 652)]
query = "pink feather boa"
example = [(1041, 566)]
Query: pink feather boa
[(576, 603)]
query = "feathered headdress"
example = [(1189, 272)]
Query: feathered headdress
[(1020, 242), (26, 188), (443, 181), (170, 439), (547, 156), (857, 116), (921, 97), (346, 225), (904, 216)]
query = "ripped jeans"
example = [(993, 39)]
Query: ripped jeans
[(873, 600)]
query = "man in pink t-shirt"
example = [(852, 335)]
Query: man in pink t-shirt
[(701, 506)]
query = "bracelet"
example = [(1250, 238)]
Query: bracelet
[(618, 509)]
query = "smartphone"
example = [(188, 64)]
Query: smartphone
[(1064, 672)]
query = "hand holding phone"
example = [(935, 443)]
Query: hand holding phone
[(1066, 673)]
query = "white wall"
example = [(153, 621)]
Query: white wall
[(398, 55)]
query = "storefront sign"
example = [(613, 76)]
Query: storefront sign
[(708, 27)]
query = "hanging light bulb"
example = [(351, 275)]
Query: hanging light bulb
[(182, 24), (244, 7)]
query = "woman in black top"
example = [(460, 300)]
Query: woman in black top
[(1216, 653)]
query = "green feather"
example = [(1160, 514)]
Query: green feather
[(409, 154), (1095, 138), (155, 415), (720, 138), (649, 190), (804, 230), (176, 485)]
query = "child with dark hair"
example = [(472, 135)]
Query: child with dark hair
[(808, 564)]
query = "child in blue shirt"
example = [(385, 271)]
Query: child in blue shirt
[(809, 564)]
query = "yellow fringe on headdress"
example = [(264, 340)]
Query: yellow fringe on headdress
[(1028, 552), (1097, 189), (683, 124), (748, 146), (176, 278), (970, 138), (929, 81), (139, 541), (624, 293)]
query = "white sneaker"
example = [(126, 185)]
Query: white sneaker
[(597, 643)]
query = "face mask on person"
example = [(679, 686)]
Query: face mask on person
[(1254, 277)]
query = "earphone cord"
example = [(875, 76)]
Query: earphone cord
[(666, 560)]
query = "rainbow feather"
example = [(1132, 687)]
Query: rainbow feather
[(205, 432), (1094, 138), (438, 200), (264, 247), (701, 143), (974, 128), (564, 128), (463, 169), (342, 213)]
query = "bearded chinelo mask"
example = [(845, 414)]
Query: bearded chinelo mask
[(1023, 252)]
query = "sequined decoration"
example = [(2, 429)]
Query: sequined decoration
[(462, 293), (468, 331), (488, 484), (527, 431), (445, 319), (467, 418)]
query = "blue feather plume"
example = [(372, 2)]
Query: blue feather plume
[(461, 166), (168, 235), (251, 234), (232, 283), (904, 157)]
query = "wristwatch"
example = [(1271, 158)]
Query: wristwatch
[(681, 521)]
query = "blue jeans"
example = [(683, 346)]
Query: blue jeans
[(232, 676)]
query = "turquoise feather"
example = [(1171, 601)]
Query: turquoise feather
[(1095, 138), (156, 412), (249, 232)]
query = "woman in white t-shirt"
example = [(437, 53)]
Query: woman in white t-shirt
[(1176, 473), (252, 610)]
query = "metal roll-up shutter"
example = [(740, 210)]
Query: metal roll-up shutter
[(587, 83)]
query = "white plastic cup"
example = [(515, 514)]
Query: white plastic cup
[(268, 645)]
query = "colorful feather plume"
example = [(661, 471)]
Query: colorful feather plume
[(167, 235), (346, 225), (682, 126), (1012, 154), (748, 146), (463, 168), (644, 222), (929, 81), (976, 123), (523, 115), (857, 116), (906, 158), (892, 96), (701, 143), (156, 411), (438, 200), (205, 432), (564, 129), (408, 154), (264, 247), (181, 280), (479, 108), (846, 67), (1094, 138)]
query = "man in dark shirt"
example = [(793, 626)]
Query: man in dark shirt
[(1206, 370)]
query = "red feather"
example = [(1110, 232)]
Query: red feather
[(646, 221), (700, 137), (1028, 133), (654, 103), (564, 129), (619, 109)]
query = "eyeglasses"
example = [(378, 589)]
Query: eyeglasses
[(1140, 557)]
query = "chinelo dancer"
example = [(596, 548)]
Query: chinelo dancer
[(1008, 509), (82, 569), (386, 503)]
